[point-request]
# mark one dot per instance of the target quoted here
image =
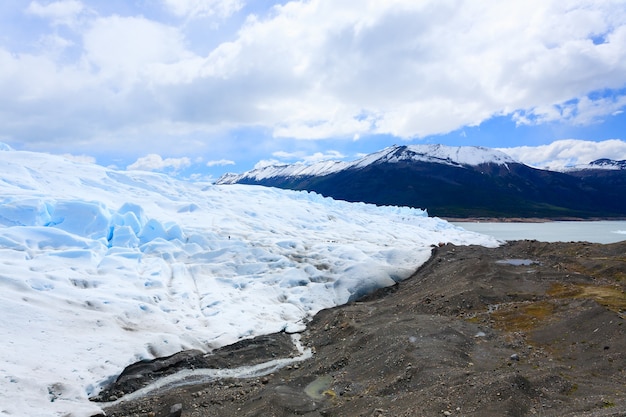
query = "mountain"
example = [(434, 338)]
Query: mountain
[(441, 154), (461, 182), (604, 164)]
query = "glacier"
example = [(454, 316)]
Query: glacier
[(100, 268)]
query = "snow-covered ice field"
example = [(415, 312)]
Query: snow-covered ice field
[(101, 268)]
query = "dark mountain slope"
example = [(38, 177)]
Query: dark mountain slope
[(450, 189)]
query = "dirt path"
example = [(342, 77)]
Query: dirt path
[(526, 329)]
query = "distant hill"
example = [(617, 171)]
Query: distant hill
[(461, 182)]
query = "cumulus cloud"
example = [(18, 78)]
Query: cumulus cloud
[(267, 162), (203, 8), (63, 12), (154, 162), (318, 69), (299, 157), (322, 69), (221, 162), (568, 152), (581, 112), (132, 46), (420, 68), (302, 157), (80, 158)]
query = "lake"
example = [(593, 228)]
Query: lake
[(572, 231)]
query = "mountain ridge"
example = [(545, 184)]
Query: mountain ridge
[(397, 153), (459, 182), (603, 163)]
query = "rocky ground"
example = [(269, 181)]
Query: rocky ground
[(526, 329)]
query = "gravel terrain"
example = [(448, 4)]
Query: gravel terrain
[(526, 329)]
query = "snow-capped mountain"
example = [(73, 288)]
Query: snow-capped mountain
[(102, 268), (603, 163), (441, 154), (456, 182)]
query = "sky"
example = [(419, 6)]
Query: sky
[(197, 88)]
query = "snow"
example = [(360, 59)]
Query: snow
[(449, 155), (101, 268), (598, 164), (441, 154), (294, 170)]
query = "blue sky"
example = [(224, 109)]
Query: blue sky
[(202, 87)]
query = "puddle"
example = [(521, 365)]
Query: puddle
[(518, 262), (319, 388)]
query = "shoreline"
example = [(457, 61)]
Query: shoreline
[(465, 335), (527, 220)]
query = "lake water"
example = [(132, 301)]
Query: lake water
[(594, 231)]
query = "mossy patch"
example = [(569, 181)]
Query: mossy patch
[(526, 316), (612, 268), (612, 297), (522, 316)]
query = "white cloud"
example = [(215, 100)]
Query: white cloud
[(314, 69), (203, 8), (568, 152), (221, 162), (299, 157), (63, 12), (80, 158), (55, 43), (132, 44), (267, 162), (584, 111), (154, 162), (302, 157), (422, 68)]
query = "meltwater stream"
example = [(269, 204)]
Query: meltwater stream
[(199, 376)]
